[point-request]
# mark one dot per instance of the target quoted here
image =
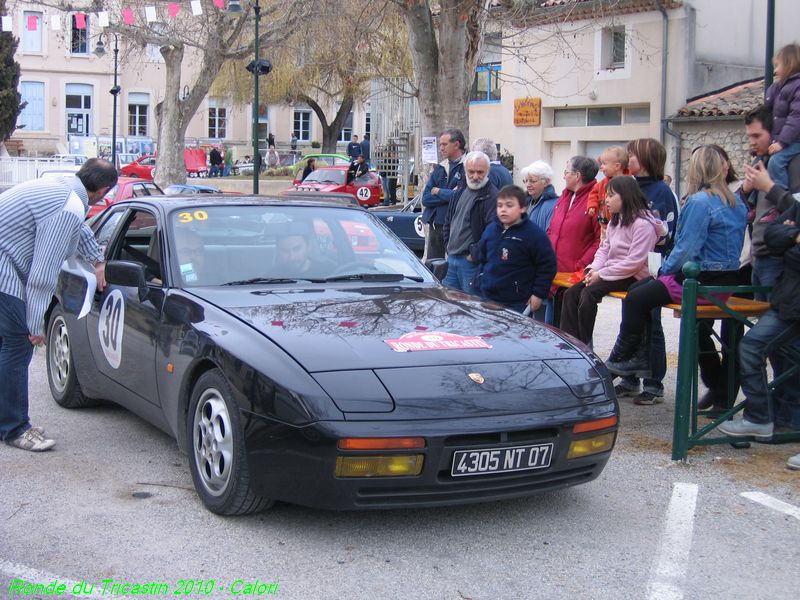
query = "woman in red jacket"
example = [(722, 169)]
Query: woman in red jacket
[(575, 235)]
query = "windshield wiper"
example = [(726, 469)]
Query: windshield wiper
[(261, 280), (373, 277)]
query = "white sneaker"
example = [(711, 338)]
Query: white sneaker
[(32, 440), (744, 428), (793, 463)]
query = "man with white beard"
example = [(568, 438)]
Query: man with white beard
[(472, 208)]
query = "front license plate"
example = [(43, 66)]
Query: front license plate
[(501, 460)]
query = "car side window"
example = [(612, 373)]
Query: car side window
[(107, 229), (140, 242)]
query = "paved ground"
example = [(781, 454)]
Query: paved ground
[(115, 502)]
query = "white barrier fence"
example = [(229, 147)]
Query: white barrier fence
[(14, 170)]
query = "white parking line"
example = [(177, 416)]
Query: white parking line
[(672, 558), (773, 503), (29, 575)]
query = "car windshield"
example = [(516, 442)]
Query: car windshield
[(326, 176), (238, 245)]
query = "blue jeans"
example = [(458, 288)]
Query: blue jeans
[(226, 171), (658, 359), (778, 164), (460, 273), (766, 270), (15, 357), (214, 171), (768, 335)]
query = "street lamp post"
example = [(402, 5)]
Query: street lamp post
[(257, 67), (100, 50)]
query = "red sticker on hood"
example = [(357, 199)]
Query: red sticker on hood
[(436, 340)]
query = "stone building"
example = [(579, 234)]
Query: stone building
[(715, 118)]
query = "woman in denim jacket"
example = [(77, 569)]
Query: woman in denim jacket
[(710, 232)]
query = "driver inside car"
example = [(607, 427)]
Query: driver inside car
[(296, 257), (191, 257)]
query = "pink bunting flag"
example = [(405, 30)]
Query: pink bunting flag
[(127, 16), (173, 9), (220, 4), (80, 20), (33, 22)]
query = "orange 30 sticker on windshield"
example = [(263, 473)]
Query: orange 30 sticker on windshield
[(419, 341)]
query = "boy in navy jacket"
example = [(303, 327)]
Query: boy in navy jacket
[(519, 262)]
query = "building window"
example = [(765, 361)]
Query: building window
[(32, 32), (486, 87), (347, 130), (137, 114), (32, 116), (367, 125), (301, 123), (607, 115), (637, 114), (613, 48), (569, 117), (79, 36), (78, 102), (217, 119)]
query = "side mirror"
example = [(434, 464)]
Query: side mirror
[(128, 274), (437, 266)]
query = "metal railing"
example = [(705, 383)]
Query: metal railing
[(686, 433)]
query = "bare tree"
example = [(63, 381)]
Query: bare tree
[(209, 40), (328, 63)]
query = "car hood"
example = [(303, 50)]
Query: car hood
[(388, 327), (318, 187)]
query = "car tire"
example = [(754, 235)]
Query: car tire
[(61, 376), (216, 449)]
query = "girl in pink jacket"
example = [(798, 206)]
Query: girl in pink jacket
[(620, 261)]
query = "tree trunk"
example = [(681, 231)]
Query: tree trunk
[(330, 131), (172, 125), (445, 67), (175, 113)]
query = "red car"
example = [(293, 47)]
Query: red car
[(367, 188), (127, 187), (143, 167)]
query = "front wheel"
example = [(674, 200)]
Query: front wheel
[(61, 375), (217, 454)]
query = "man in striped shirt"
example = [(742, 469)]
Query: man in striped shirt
[(41, 224)]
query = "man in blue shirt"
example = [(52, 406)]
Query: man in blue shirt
[(446, 177), (353, 148)]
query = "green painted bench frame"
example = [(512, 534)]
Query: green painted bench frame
[(686, 433)]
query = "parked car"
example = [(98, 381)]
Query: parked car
[(126, 158), (405, 222), (127, 187), (319, 375), (143, 167), (323, 160), (367, 188), (74, 159), (187, 189)]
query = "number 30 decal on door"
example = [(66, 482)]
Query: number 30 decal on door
[(110, 327)]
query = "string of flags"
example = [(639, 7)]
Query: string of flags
[(103, 18)]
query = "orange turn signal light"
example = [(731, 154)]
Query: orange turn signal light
[(404, 443), (595, 425)]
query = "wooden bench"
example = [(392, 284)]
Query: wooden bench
[(686, 433), (742, 306)]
